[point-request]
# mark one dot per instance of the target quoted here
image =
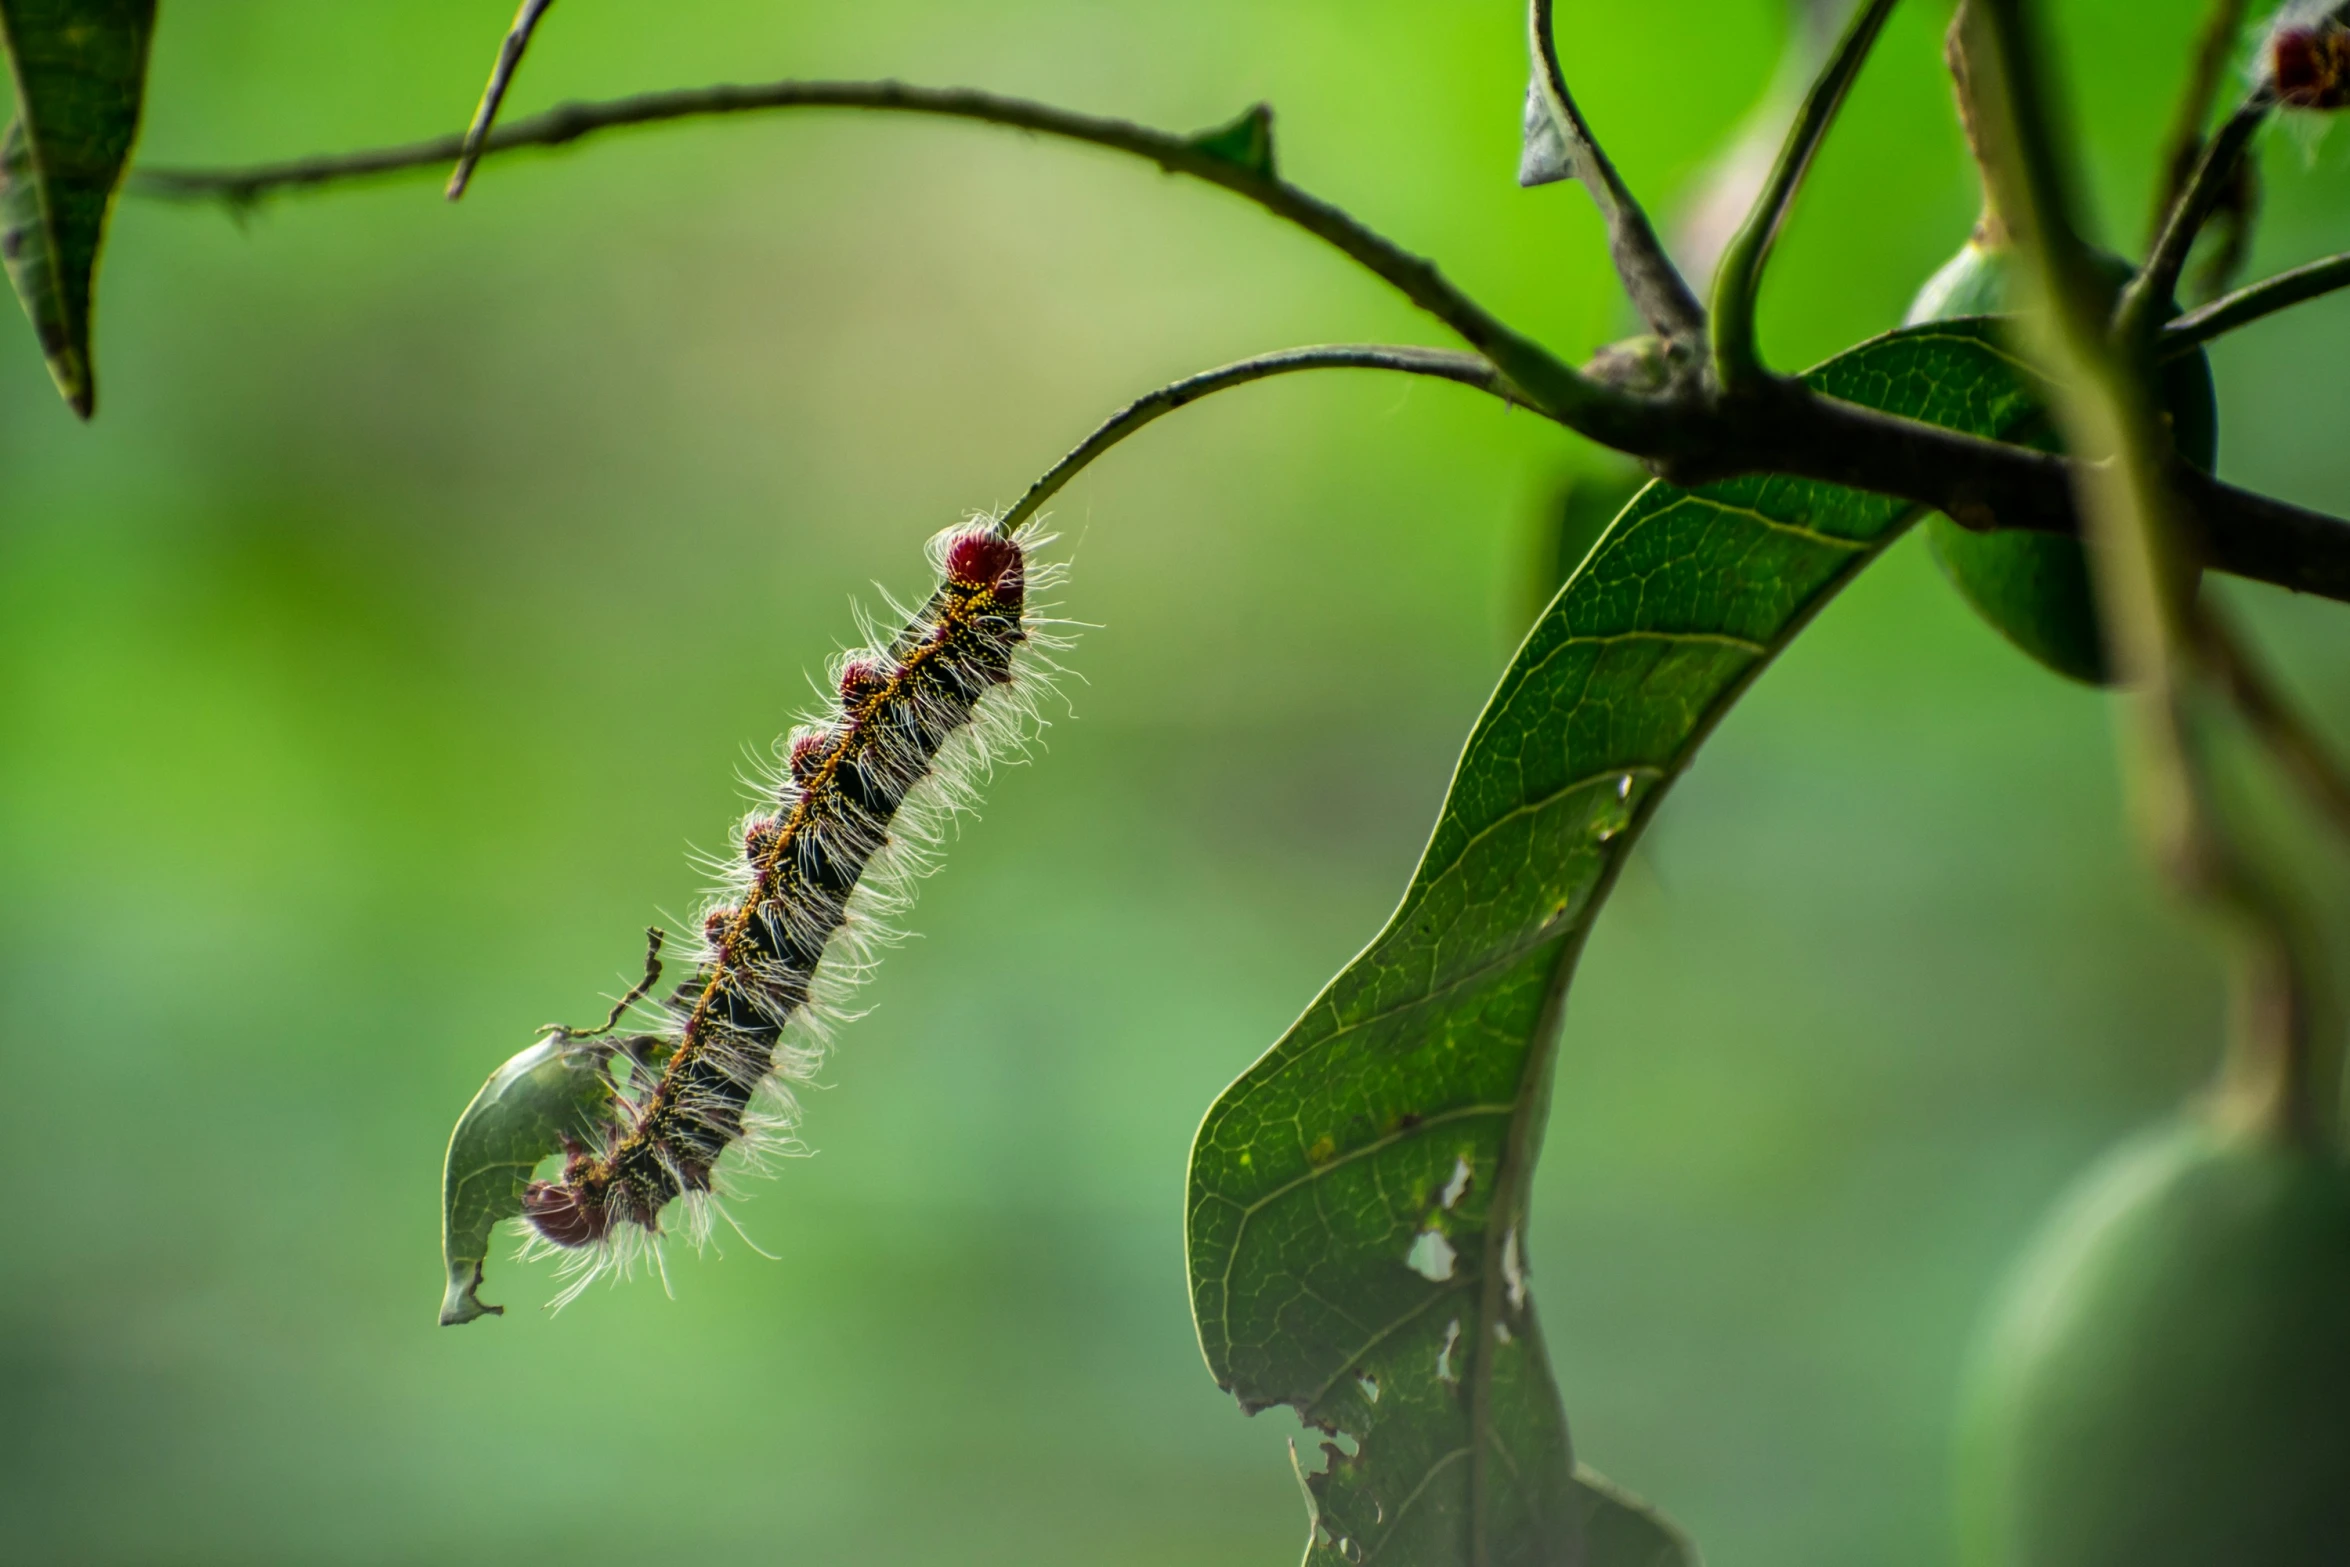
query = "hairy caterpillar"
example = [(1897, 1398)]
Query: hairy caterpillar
[(851, 817), (2306, 56)]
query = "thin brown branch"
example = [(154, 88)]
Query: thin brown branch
[(654, 937), (2184, 143), (2253, 301), (2147, 300), (1738, 281), (1776, 429), (2233, 219), (1659, 292), (1465, 369), (2306, 759), (1602, 412)]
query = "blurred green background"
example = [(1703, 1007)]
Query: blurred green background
[(368, 667)]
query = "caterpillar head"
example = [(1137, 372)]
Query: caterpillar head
[(560, 1214)]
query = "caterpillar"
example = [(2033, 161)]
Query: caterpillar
[(851, 817), (2309, 62)]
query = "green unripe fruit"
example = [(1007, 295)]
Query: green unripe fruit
[(2034, 588), (2166, 1381)]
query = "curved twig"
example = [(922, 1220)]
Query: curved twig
[(1467, 369), (2149, 294), (2305, 758), (1739, 277), (1662, 296), (1548, 384), (2185, 140), (654, 937), (2253, 301)]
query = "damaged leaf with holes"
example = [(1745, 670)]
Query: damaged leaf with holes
[(549, 1095), (1357, 1206), (80, 72)]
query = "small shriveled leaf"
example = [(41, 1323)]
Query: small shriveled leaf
[(81, 73), (1544, 157), (1246, 143), (555, 1090), (1356, 1212)]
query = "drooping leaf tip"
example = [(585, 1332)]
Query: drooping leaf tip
[(69, 367), (463, 1301)]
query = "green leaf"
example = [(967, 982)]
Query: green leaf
[(81, 73), (1246, 143), (1620, 1530), (555, 1090), (1356, 1212)]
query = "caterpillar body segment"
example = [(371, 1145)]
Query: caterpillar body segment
[(851, 819)]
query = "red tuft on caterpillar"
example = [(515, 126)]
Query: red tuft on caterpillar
[(807, 753), (2309, 65), (980, 558), (861, 680)]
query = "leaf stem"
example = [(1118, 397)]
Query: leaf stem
[(1737, 282), (1549, 384), (2147, 299), (2185, 140), (1659, 292), (2305, 758), (2146, 584), (518, 36), (2253, 301), (1466, 369)]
